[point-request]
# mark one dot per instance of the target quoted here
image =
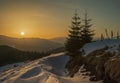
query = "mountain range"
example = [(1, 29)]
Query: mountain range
[(30, 44)]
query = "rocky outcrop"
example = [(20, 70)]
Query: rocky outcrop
[(103, 64), (94, 63), (112, 70)]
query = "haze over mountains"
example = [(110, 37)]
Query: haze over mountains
[(60, 40), (30, 44)]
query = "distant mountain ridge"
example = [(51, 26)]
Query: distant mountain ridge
[(30, 44), (60, 40)]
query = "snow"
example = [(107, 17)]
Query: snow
[(10, 66), (50, 69), (57, 67), (113, 44)]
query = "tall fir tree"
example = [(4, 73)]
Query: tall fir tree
[(106, 32), (73, 43), (112, 35), (118, 36), (102, 37), (86, 33)]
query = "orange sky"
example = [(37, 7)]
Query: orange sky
[(48, 19), (33, 22)]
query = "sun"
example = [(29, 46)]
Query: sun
[(22, 33)]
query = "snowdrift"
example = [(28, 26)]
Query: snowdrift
[(50, 69), (90, 47)]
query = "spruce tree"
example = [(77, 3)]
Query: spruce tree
[(86, 33), (106, 32), (118, 36), (73, 43), (102, 37), (112, 34)]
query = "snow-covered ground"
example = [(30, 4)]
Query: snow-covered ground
[(10, 66), (113, 45), (50, 69)]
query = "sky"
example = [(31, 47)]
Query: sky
[(52, 18)]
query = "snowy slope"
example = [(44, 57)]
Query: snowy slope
[(49, 69), (112, 44), (10, 66)]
